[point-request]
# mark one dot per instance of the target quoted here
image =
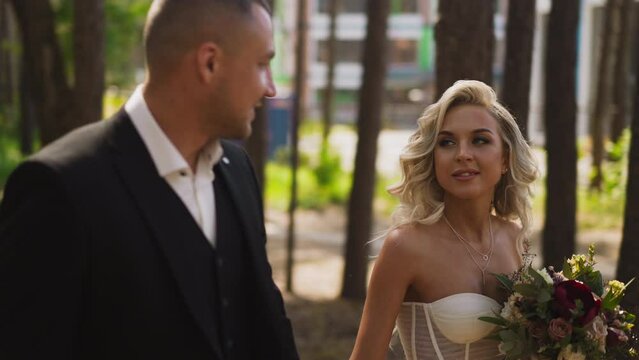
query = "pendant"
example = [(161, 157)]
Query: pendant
[(485, 257)]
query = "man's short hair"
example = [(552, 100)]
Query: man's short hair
[(174, 27)]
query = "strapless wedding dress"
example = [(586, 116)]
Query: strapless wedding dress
[(449, 328)]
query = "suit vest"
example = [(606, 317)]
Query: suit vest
[(235, 288)]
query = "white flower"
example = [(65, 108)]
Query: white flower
[(568, 354), (544, 274), (510, 311), (597, 330), (507, 312), (501, 348)]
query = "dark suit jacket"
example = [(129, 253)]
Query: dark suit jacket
[(99, 257)]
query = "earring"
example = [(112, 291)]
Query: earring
[(504, 171)]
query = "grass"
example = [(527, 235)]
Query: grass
[(312, 195), (597, 210)]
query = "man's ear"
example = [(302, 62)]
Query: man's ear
[(208, 55)]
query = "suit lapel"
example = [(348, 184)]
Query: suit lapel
[(243, 199), (237, 175), (177, 234)]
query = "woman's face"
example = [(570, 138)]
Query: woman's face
[(469, 154)]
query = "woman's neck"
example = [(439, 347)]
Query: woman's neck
[(469, 218)]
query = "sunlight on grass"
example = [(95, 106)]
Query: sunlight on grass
[(10, 157), (112, 101), (596, 210)]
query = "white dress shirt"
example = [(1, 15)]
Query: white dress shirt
[(194, 189)]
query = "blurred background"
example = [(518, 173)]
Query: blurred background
[(352, 78)]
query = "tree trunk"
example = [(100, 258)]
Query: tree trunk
[(298, 116), (6, 83), (43, 59), (465, 42), (371, 99), (88, 42), (621, 86), (602, 111), (330, 74), (27, 114), (560, 121), (628, 266), (518, 62)]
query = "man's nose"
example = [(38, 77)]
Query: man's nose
[(270, 90)]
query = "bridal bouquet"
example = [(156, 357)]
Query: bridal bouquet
[(567, 315)]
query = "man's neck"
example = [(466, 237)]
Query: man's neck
[(178, 121)]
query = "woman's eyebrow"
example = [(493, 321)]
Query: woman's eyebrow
[(483, 130), (480, 130)]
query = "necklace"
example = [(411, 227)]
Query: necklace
[(486, 257), (467, 243)]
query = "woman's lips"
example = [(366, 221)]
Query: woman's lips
[(465, 174)]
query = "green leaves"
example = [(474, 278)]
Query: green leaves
[(544, 296), (536, 276), (505, 281), (514, 343), (528, 290), (499, 321), (594, 280)]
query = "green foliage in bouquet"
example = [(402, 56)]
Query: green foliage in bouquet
[(564, 315)]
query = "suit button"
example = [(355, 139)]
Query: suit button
[(225, 302), (220, 262), (229, 344)]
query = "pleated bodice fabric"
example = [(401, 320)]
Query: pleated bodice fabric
[(449, 328)]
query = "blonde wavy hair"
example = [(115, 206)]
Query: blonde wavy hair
[(421, 196)]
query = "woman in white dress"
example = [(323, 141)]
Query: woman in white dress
[(464, 214)]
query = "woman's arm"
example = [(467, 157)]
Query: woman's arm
[(392, 275)]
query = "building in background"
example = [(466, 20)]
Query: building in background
[(410, 82)]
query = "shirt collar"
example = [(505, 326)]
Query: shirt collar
[(166, 157)]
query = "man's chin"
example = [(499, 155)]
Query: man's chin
[(244, 133), (248, 132)]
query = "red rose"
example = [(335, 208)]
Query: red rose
[(566, 295)]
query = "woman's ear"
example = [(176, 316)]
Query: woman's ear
[(504, 165)]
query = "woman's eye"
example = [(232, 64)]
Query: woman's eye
[(481, 140), (446, 142)]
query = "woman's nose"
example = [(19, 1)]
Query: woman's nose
[(463, 152)]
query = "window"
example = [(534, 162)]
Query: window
[(344, 6), (345, 51), (403, 51), (403, 6)]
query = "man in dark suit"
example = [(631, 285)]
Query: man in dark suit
[(142, 236)]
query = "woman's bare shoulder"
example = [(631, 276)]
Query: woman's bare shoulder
[(410, 240), (512, 232), (510, 228)]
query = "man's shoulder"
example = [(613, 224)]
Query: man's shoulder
[(84, 145), (232, 149), (235, 153)]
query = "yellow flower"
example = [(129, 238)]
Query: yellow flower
[(577, 263), (616, 287), (568, 354)]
